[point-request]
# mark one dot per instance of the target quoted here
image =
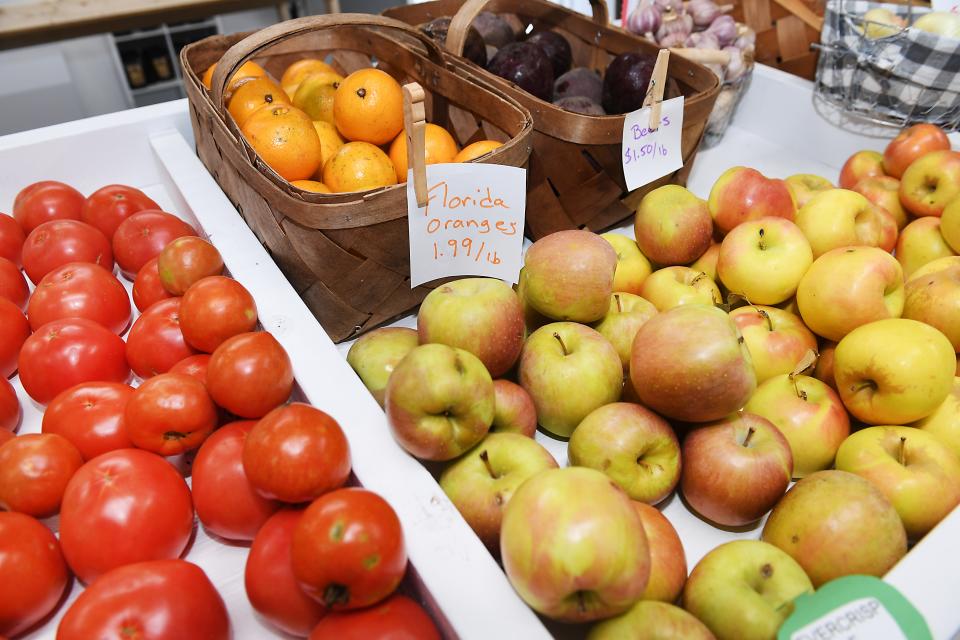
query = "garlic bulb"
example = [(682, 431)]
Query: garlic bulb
[(673, 40), (674, 23), (724, 28), (645, 18), (746, 38), (703, 12), (737, 65), (702, 40), (675, 6)]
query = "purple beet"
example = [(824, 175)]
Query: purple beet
[(579, 81), (527, 66), (473, 49), (580, 104), (557, 49), (625, 82), (493, 29)]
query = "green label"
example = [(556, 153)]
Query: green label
[(854, 608)]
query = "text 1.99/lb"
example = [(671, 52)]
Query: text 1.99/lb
[(464, 247)]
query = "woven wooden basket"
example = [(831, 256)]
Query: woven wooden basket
[(575, 178), (346, 254), (785, 30)]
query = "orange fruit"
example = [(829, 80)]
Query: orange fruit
[(252, 95), (476, 150), (358, 166), (368, 107), (330, 141), (315, 95), (300, 69), (248, 69), (284, 137), (439, 146), (311, 185)]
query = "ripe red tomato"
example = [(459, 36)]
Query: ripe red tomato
[(11, 239), (147, 288), (34, 471), (9, 407), (90, 415), (296, 453), (80, 290), (396, 618), (169, 414), (57, 243), (14, 331), (268, 578), (226, 502), (187, 260), (122, 507), (143, 236), (6, 436), (64, 353), (214, 309), (348, 549), (44, 201), (108, 206), (33, 574), (158, 600), (13, 286), (195, 365), (250, 374), (155, 342)]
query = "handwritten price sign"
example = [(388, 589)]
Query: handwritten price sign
[(472, 223), (648, 153)]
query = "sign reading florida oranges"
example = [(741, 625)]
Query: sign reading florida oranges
[(471, 224)]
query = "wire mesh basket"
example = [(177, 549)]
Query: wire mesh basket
[(887, 74)]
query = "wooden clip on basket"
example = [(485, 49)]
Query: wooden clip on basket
[(346, 254), (575, 177)]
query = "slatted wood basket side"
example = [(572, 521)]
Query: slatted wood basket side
[(347, 255), (785, 30)]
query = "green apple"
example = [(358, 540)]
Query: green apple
[(514, 411), (481, 483), (631, 444), (569, 370), (932, 296), (835, 523), (773, 247), (673, 226), (944, 422), (627, 314), (668, 563), (480, 315), (919, 243), (917, 472), (674, 286), (632, 266), (744, 590), (439, 402), (777, 339), (651, 620), (806, 185), (375, 355), (573, 546), (843, 218)]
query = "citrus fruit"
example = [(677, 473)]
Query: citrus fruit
[(330, 141), (368, 107), (439, 146), (358, 166), (315, 95), (300, 69), (248, 69), (285, 139), (476, 150), (311, 185), (252, 95)]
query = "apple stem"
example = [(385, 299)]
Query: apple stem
[(902, 453), (796, 387), (761, 245), (750, 431), (562, 346), (486, 463), (581, 603), (619, 306), (766, 316)]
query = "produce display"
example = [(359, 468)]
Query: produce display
[(153, 420), (772, 333)]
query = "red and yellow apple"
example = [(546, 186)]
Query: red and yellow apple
[(514, 411), (862, 164), (930, 183), (375, 355), (933, 296), (651, 619), (707, 263), (884, 192), (764, 260), (674, 286), (921, 242), (950, 224), (668, 563), (824, 369), (910, 144), (843, 218), (944, 422), (806, 185), (673, 226), (626, 315), (742, 193), (632, 266), (777, 340)]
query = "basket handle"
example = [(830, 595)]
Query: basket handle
[(265, 38), (460, 24)]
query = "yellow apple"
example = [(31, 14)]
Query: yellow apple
[(774, 247), (707, 263), (944, 422), (806, 185), (674, 286), (933, 296), (950, 224), (777, 339), (843, 218), (884, 191), (632, 266), (921, 242)]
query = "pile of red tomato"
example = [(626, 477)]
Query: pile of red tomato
[(325, 560)]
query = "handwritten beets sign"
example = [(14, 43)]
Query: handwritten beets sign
[(471, 224)]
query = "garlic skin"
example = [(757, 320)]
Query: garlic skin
[(737, 65), (645, 18), (673, 40), (674, 23), (675, 6), (724, 28), (746, 38), (702, 40), (703, 12)]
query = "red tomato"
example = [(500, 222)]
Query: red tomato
[(348, 550), (14, 331), (108, 206), (250, 374), (396, 618), (33, 574), (122, 507), (9, 407), (44, 201), (80, 290), (158, 600), (143, 236), (57, 243), (296, 453), (6, 436), (268, 577), (13, 286), (11, 239), (195, 366), (155, 342), (64, 353), (34, 471), (147, 288), (226, 502), (214, 309), (187, 260), (169, 414), (90, 415)]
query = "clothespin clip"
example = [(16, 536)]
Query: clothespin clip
[(415, 125), (658, 81)]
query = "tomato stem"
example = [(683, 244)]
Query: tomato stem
[(336, 594)]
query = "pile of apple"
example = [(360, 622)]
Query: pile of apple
[(776, 339)]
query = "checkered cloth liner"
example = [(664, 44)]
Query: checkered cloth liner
[(911, 76)]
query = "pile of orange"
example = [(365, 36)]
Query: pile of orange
[(327, 133)]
